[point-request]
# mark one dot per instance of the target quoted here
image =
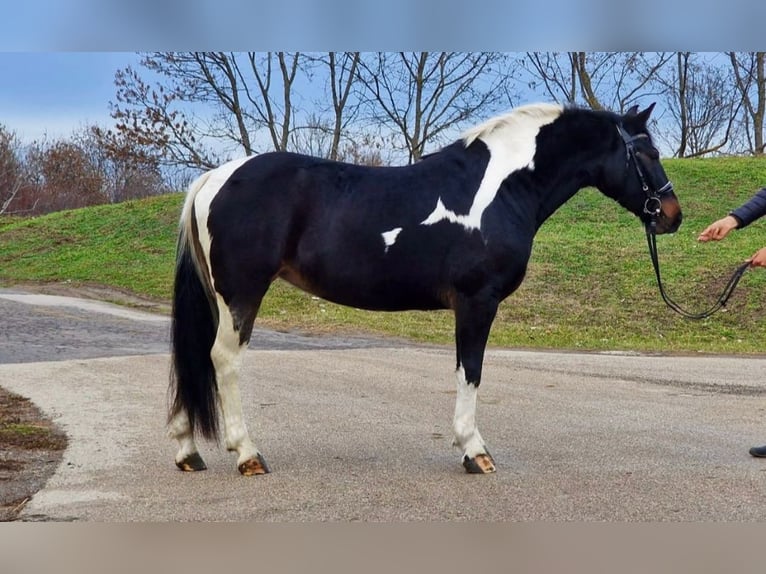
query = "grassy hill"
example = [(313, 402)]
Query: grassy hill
[(590, 283)]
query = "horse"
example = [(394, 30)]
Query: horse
[(453, 230)]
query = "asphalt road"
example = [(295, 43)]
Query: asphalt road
[(359, 429)]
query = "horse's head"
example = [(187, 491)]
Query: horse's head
[(635, 177)]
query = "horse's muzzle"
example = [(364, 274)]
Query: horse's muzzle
[(668, 222)]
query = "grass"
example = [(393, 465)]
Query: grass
[(589, 286), (22, 427), (129, 246)]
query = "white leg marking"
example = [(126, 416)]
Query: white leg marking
[(389, 237), (227, 358), (467, 435), (180, 429)]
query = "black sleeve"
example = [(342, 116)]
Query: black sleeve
[(751, 210)]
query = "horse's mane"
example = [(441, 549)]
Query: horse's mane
[(532, 113)]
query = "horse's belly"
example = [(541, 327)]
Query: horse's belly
[(376, 292)]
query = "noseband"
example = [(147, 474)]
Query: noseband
[(653, 208)]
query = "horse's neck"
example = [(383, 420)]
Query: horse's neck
[(553, 197), (555, 182), (575, 169)]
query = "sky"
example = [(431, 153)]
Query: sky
[(52, 95), (45, 87), (56, 93)]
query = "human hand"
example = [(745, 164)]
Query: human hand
[(759, 259), (718, 229)]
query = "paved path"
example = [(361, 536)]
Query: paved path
[(363, 432)]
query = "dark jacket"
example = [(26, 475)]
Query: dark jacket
[(751, 210)]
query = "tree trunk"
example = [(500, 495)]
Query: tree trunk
[(682, 59), (761, 104)]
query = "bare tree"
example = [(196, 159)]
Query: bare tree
[(128, 171), (314, 137), (750, 79), (324, 130), (150, 116), (275, 112), (423, 95), (88, 168), (565, 76), (196, 103), (187, 105), (65, 176), (11, 188), (11, 179), (613, 80), (700, 103), (342, 68)]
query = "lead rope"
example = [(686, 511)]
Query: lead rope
[(651, 238)]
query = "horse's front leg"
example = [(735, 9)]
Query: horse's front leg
[(473, 319)]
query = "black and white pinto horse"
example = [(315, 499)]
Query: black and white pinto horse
[(454, 231)]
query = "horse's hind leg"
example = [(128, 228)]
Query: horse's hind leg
[(188, 457), (234, 328), (473, 320)]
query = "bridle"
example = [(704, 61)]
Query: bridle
[(653, 208), (653, 203)]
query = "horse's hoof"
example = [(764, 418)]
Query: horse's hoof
[(480, 464), (192, 463), (253, 466)]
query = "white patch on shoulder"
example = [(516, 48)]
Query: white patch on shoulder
[(389, 237), (511, 143), (440, 213)]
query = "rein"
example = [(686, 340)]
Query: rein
[(723, 298), (652, 207)]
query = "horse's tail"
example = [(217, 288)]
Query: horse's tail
[(194, 327)]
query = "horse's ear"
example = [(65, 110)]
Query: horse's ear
[(644, 116), (632, 110)]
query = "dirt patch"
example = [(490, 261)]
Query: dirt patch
[(31, 447)]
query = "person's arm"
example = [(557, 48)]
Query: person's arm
[(741, 217), (751, 210)]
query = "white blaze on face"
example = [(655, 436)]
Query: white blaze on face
[(510, 140)]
